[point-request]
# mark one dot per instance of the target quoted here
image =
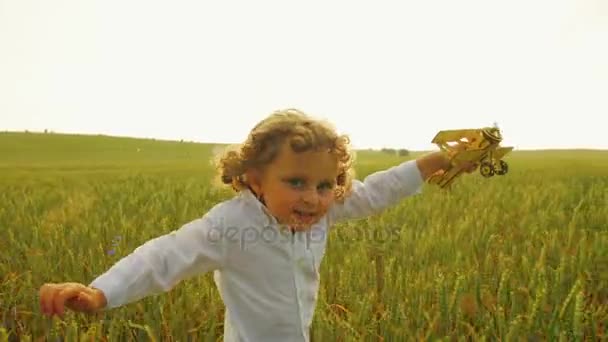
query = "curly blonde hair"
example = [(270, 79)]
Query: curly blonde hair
[(303, 132)]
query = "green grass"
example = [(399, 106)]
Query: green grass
[(522, 256)]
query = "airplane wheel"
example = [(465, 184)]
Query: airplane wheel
[(486, 169), (503, 168)]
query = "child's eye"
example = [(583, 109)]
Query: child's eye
[(325, 186), (296, 182)]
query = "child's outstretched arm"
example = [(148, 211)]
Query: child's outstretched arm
[(154, 267), (386, 188)]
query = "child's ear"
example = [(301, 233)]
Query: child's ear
[(254, 180)]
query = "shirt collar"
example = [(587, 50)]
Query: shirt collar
[(249, 197)]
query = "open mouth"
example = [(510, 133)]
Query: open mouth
[(304, 216)]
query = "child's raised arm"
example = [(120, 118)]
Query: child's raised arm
[(154, 267), (386, 188)]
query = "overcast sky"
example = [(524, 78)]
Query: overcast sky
[(389, 73)]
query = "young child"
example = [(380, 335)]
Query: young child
[(293, 177)]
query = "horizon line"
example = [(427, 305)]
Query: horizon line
[(51, 132)]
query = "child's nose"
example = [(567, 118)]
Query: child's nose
[(310, 197)]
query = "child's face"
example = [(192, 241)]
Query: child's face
[(298, 188)]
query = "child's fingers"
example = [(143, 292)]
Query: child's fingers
[(47, 295), (54, 296), (62, 297), (42, 297), (82, 302), (470, 167)]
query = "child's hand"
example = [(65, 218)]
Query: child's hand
[(467, 166), (438, 163), (76, 296)]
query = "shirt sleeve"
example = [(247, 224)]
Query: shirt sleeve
[(379, 191), (159, 264)]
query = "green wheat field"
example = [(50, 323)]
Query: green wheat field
[(517, 257)]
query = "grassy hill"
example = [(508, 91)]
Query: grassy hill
[(52, 150), (53, 154), (55, 149)]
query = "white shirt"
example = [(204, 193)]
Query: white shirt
[(268, 277)]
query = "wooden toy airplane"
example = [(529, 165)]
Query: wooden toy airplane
[(477, 146)]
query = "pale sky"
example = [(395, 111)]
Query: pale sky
[(389, 73)]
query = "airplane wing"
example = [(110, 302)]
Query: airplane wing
[(501, 151), (469, 156), (452, 135)]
